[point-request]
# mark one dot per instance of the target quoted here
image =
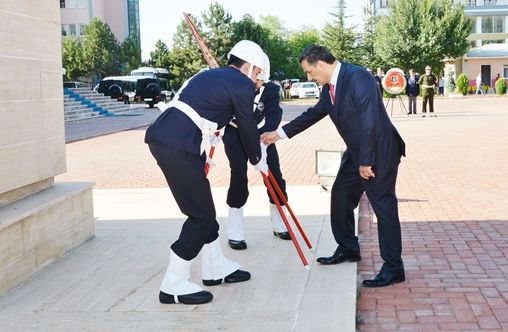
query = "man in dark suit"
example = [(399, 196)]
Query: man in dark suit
[(352, 100), (412, 91)]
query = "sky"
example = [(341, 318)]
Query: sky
[(159, 18)]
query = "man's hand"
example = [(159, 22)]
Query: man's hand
[(270, 137), (366, 172)]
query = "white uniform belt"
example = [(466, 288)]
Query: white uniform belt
[(207, 127)]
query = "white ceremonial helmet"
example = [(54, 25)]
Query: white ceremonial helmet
[(250, 52), (264, 75)]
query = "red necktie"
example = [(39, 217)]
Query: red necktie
[(332, 93)]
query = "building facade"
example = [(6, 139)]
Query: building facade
[(490, 26), (122, 16), (490, 18)]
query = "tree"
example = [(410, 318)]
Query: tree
[(274, 45), (130, 54), (160, 56), (219, 33), (422, 32), (274, 26), (368, 57), (100, 50), (247, 28), (185, 57), (297, 41), (72, 58), (341, 41), (277, 46)]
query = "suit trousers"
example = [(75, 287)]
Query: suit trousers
[(412, 104), (430, 99), (238, 191), (346, 193), (186, 178)]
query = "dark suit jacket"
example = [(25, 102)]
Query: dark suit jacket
[(413, 89), (361, 119)]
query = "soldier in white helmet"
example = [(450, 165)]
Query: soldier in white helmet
[(205, 103), (268, 115)]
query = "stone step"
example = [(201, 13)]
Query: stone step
[(80, 111), (82, 116)]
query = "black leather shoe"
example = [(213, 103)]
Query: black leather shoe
[(237, 276), (194, 298), (282, 235), (338, 257), (237, 245), (384, 279)]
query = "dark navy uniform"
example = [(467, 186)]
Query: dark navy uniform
[(217, 95), (269, 110)]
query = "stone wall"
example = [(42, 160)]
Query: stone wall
[(32, 143), (39, 220)]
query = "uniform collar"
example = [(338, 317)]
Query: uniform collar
[(335, 75)]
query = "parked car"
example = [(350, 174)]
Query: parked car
[(121, 88), (167, 93), (293, 90), (153, 90), (304, 90)]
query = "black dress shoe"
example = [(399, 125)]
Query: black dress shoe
[(282, 235), (338, 257), (194, 298), (237, 245), (384, 279), (237, 276)]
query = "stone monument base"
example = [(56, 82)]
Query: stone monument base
[(39, 229)]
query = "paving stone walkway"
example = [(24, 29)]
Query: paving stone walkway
[(453, 205)]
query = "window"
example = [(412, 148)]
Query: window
[(473, 26), (470, 3), (62, 3), (490, 2), (487, 24), (505, 71), (72, 29), (71, 3), (492, 24), (498, 24), (383, 3), (81, 4), (64, 30)]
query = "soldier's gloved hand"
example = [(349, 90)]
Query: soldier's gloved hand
[(262, 166)]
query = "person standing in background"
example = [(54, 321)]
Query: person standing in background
[(479, 84), (428, 84), (412, 91), (441, 86)]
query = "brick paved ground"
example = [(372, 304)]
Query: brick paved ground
[(452, 200)]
